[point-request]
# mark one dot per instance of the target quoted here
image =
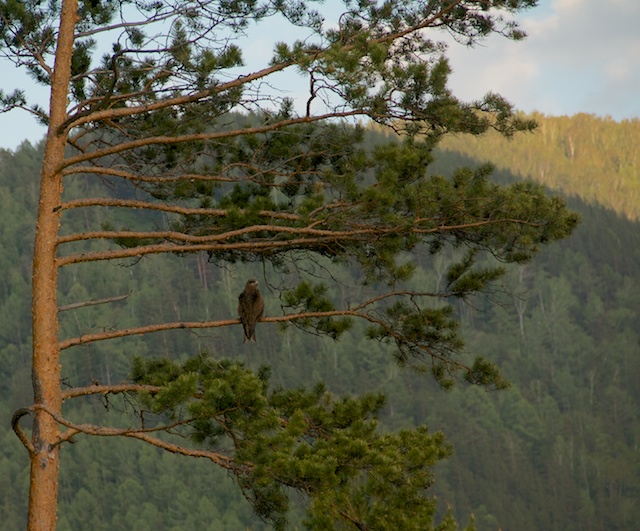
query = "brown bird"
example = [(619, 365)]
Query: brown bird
[(250, 309)]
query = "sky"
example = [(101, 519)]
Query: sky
[(579, 56)]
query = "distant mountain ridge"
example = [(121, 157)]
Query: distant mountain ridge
[(594, 158)]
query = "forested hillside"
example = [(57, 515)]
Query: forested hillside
[(558, 450), (593, 158)]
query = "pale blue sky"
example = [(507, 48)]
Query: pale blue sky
[(580, 56)]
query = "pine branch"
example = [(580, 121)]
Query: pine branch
[(250, 246), (308, 237), (194, 137), (188, 177), (124, 25), (141, 434), (357, 311), (108, 389), (137, 178), (110, 114), (83, 118), (164, 207)]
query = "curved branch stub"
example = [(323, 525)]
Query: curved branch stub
[(15, 425)]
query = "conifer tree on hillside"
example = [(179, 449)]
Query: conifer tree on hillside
[(171, 120)]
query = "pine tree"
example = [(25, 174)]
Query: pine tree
[(171, 120)]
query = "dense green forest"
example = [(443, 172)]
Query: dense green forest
[(557, 450)]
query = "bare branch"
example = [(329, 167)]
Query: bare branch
[(89, 338), (93, 302)]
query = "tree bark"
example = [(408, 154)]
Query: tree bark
[(43, 493)]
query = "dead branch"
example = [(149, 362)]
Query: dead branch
[(93, 302)]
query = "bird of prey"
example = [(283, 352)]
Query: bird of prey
[(250, 309)]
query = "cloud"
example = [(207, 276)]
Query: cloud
[(579, 56)]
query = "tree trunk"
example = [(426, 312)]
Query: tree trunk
[(43, 493)]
